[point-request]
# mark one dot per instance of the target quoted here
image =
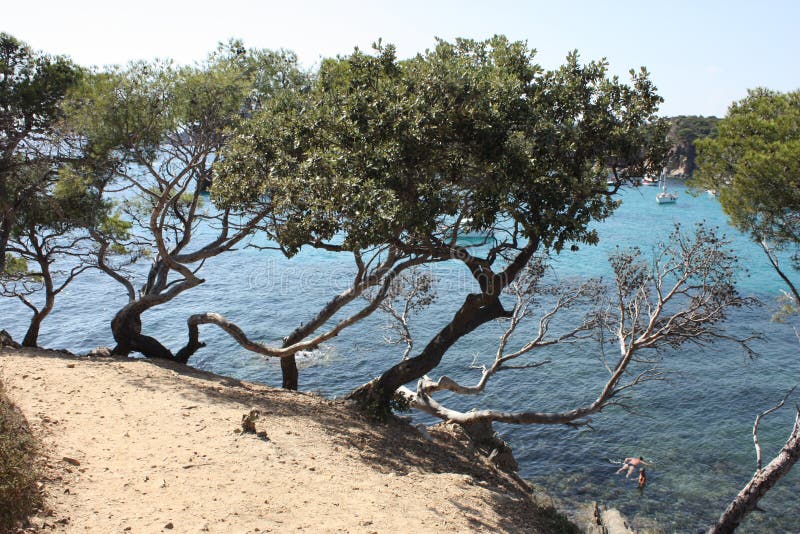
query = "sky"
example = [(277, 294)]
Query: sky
[(702, 55)]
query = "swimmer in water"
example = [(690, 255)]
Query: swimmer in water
[(631, 464)]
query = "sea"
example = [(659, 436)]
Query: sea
[(694, 427)]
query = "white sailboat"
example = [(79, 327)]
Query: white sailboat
[(665, 197)]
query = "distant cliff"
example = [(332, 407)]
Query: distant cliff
[(683, 131)]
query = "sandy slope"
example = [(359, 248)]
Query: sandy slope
[(133, 445)]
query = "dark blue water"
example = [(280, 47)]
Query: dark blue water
[(696, 426)]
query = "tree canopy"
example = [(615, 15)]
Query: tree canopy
[(381, 149), (32, 86), (754, 163)]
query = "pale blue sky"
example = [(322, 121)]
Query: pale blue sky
[(702, 54)]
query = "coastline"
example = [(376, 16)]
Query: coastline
[(142, 445)]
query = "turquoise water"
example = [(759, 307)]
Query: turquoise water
[(696, 426)]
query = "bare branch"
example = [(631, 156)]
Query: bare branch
[(758, 420), (297, 341)]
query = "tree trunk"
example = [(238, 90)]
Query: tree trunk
[(126, 326), (127, 330), (289, 372), (32, 335), (477, 309), (763, 480)]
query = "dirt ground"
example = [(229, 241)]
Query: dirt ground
[(140, 446)]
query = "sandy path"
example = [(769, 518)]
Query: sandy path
[(156, 450)]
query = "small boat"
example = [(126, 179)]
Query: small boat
[(665, 197), (649, 180)]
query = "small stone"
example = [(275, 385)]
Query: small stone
[(169, 526), (70, 366), (71, 461)]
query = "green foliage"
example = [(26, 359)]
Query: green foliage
[(270, 73), (379, 150), (19, 496), (124, 108), (156, 129), (32, 87), (69, 204), (15, 266), (754, 163), (138, 110), (685, 129), (114, 226)]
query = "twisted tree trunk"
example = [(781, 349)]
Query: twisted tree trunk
[(32, 335), (127, 330), (477, 309), (126, 326)]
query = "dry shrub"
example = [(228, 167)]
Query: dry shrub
[(19, 496)]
